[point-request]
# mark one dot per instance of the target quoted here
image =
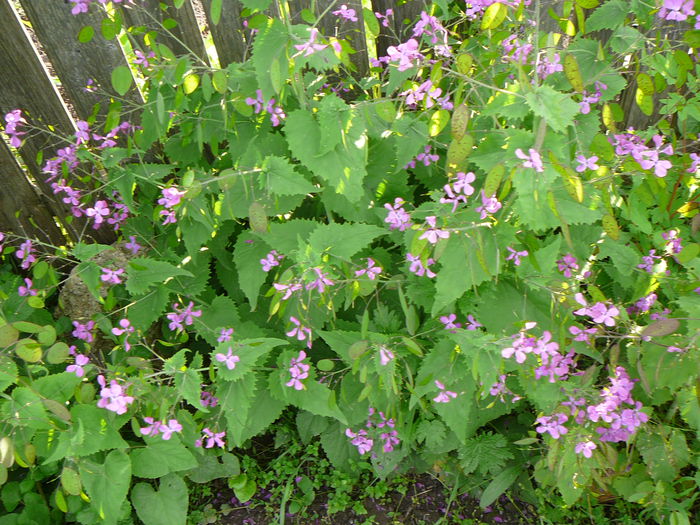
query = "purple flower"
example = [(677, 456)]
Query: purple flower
[(172, 426), (582, 335), (142, 59), (171, 196), (405, 54), (360, 440), (225, 335), (98, 212), (288, 289), (648, 262), (694, 157), (445, 395), (271, 260), (310, 47), (208, 399), (127, 329), (546, 67), (516, 255), (24, 291), (346, 13), (84, 331), (677, 10), (320, 282), (301, 332), (211, 439), (433, 234), (586, 163), (397, 218), (77, 367), (132, 245), (566, 264), (473, 324), (186, 316), (673, 241), (532, 160), (585, 447), (489, 205), (371, 271), (113, 397), (153, 428), (449, 322), (553, 425), (385, 17), (417, 266), (26, 253), (111, 276), (229, 359)]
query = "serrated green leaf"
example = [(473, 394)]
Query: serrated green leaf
[(284, 179), (556, 108), (107, 483), (610, 15), (343, 240), (143, 273)]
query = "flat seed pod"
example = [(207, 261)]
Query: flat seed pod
[(460, 120), (610, 227), (573, 72), (257, 218)]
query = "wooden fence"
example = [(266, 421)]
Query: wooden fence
[(44, 70)]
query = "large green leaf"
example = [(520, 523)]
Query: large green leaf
[(166, 506), (284, 179), (344, 167), (343, 240), (160, 457), (143, 273), (269, 46), (247, 254), (556, 108), (107, 484)]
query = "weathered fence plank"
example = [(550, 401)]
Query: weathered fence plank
[(17, 194), (26, 84), (74, 62), (397, 32), (228, 34), (183, 39)]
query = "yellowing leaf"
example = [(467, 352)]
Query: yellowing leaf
[(608, 118), (610, 227), (493, 17), (191, 83), (645, 84), (464, 63), (573, 72), (645, 102), (438, 121)]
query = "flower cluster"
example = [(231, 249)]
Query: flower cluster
[(346, 13), (271, 260), (553, 364), (616, 416), (600, 313), (13, 120), (26, 290), (500, 389), (417, 267), (648, 158), (113, 397), (180, 316), (276, 112), (489, 206), (428, 93), (433, 234), (307, 48), (300, 331), (170, 198), (567, 264), (166, 430), (298, 371), (406, 55), (431, 27), (459, 190), (449, 322), (549, 65), (83, 331), (397, 218), (26, 254), (208, 399), (445, 395), (587, 100), (383, 430)]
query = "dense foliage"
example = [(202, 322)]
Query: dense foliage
[(460, 262)]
